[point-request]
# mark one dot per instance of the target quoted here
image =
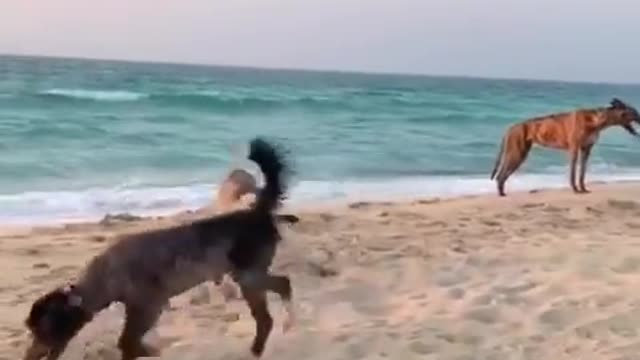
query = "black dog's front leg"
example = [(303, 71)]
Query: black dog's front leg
[(139, 319)]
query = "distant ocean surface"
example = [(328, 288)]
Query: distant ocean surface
[(79, 139)]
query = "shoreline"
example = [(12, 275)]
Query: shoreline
[(91, 205), (317, 206)]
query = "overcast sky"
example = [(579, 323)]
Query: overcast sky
[(588, 40)]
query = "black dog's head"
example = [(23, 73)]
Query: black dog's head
[(54, 319)]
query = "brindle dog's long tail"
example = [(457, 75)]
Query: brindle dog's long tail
[(514, 149), (499, 159), (271, 161)]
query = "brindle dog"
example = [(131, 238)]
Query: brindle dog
[(145, 270), (574, 132)]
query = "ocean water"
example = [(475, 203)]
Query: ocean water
[(79, 139)]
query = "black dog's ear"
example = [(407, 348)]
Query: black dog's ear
[(617, 104), (73, 299)]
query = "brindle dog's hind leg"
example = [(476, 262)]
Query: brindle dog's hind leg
[(585, 151), (139, 319), (512, 162)]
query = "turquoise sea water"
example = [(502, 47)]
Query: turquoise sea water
[(79, 139)]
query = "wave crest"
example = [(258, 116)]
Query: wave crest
[(95, 95), (212, 100)]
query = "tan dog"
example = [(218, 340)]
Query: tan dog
[(237, 191), (574, 132)]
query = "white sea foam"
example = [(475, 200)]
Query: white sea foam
[(93, 204), (97, 95)]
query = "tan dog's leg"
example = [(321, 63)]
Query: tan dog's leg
[(228, 288)]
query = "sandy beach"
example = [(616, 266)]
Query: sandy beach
[(536, 275)]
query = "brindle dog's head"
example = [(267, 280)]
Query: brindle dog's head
[(54, 319), (620, 113)]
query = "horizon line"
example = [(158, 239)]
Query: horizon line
[(316, 70)]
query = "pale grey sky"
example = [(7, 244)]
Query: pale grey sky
[(589, 40)]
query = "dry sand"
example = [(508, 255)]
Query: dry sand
[(544, 275)]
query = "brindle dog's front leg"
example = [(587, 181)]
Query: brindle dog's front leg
[(573, 159), (584, 158)]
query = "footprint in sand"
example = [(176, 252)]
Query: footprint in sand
[(449, 277), (516, 288), (357, 351), (456, 293), (622, 325), (558, 318), (41, 265), (422, 348), (359, 205), (628, 265), (485, 315), (623, 204), (427, 201), (531, 205), (98, 239), (490, 222)]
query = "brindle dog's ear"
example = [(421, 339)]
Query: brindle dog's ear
[(617, 104)]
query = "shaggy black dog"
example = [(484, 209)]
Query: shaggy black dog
[(143, 271)]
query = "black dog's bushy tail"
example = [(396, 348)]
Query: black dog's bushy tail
[(271, 161)]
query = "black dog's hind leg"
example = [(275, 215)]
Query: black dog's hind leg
[(254, 285), (257, 301), (281, 285)]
